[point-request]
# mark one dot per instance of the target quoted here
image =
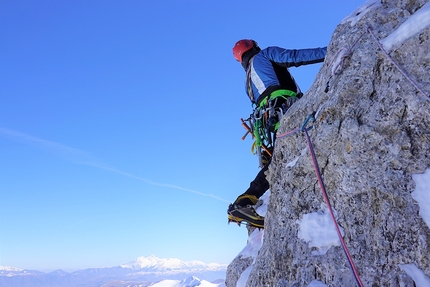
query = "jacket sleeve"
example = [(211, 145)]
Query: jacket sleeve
[(289, 58)]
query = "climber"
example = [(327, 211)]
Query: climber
[(268, 83)]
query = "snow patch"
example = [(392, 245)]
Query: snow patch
[(419, 277), (255, 241), (293, 163), (319, 231), (241, 282), (316, 283), (358, 13), (422, 194), (414, 24), (262, 209)]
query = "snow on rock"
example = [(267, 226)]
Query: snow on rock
[(264, 201), (293, 163), (358, 13), (254, 244), (414, 24), (244, 277), (316, 283), (238, 273), (318, 230), (420, 279), (422, 194)]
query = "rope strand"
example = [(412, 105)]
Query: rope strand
[(395, 64), (324, 193), (327, 201)]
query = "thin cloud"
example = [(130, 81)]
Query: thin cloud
[(148, 181), (78, 156), (64, 152), (77, 223)]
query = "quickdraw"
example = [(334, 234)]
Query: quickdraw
[(263, 123), (258, 144)]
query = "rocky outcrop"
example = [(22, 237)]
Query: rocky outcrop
[(371, 136)]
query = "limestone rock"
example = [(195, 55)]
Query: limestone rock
[(371, 134)]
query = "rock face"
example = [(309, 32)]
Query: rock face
[(371, 134)]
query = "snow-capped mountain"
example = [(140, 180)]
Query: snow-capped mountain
[(144, 271), (7, 268), (188, 282), (154, 264), (12, 271)]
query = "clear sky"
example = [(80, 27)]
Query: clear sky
[(120, 130)]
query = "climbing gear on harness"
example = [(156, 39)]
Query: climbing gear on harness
[(238, 214), (263, 123)]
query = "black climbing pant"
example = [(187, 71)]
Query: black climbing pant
[(256, 188)]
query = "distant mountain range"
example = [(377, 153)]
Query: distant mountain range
[(145, 271)]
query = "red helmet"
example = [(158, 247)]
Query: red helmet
[(241, 47)]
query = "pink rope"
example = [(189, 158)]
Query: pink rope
[(288, 133), (325, 195), (327, 201)]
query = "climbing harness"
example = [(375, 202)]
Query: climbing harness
[(264, 121), (305, 130)]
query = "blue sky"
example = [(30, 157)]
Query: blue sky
[(120, 130)]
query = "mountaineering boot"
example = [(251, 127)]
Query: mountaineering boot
[(246, 199), (237, 213)]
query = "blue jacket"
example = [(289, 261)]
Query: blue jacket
[(267, 70)]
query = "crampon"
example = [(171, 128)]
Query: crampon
[(246, 214)]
